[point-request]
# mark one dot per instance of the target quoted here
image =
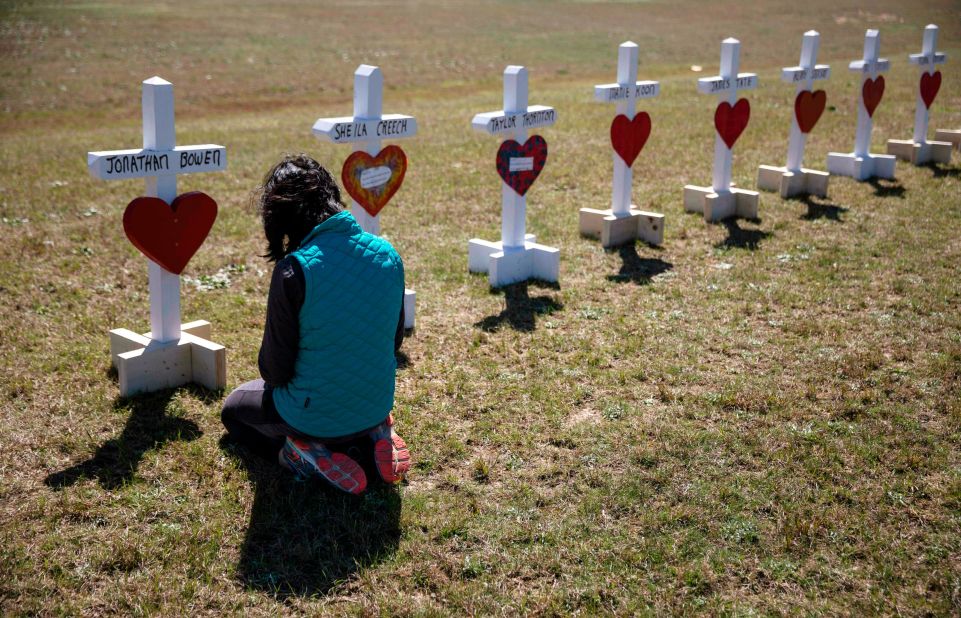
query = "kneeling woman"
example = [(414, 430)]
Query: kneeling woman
[(334, 322)]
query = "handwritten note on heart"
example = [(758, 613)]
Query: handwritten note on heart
[(170, 234), (871, 93), (930, 84), (808, 107), (629, 136), (519, 165), (731, 120), (372, 181)]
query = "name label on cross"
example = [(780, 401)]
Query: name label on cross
[(926, 59), (798, 74), (744, 81), (139, 163), (617, 92), (349, 129), (500, 122), (869, 67)]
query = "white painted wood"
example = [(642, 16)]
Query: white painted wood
[(869, 67), (144, 364), (726, 86), (720, 200), (208, 362), (366, 129), (625, 94), (605, 224), (516, 255), (804, 75), (861, 164), (951, 136), (793, 179), (159, 162), (927, 62), (163, 357)]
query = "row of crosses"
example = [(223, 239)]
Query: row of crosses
[(168, 228)]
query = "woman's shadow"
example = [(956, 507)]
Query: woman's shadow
[(306, 538)]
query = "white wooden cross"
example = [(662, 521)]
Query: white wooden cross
[(625, 93), (726, 86), (517, 257), (721, 201), (365, 130), (607, 223), (861, 164), (926, 61), (158, 163), (804, 75), (792, 179), (919, 150)]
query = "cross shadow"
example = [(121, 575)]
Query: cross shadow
[(520, 310), (305, 538), (741, 238), (939, 170), (636, 269), (821, 210), (887, 188), (148, 427)]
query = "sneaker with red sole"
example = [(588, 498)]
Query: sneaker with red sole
[(390, 452), (308, 459)]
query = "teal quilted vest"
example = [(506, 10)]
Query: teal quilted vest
[(344, 376)]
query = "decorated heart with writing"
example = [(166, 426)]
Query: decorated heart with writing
[(170, 234), (871, 93), (519, 165), (372, 181), (629, 136), (930, 84), (808, 107), (731, 120)]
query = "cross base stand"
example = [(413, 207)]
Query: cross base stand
[(505, 266), (949, 135), (618, 229), (919, 153), (861, 167), (145, 365), (790, 183), (409, 306), (721, 205)]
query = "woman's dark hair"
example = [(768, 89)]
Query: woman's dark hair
[(298, 194)]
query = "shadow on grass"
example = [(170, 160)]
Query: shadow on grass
[(637, 269), (148, 427), (939, 170), (741, 238), (520, 310), (887, 188), (821, 210), (305, 538)]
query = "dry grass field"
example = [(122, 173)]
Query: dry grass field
[(761, 417)]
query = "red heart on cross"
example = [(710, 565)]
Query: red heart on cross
[(629, 136), (372, 181), (519, 165), (170, 234), (871, 93), (930, 84), (808, 107), (731, 120)]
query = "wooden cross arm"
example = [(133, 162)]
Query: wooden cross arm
[(142, 163)]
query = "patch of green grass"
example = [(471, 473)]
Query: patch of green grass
[(759, 417)]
